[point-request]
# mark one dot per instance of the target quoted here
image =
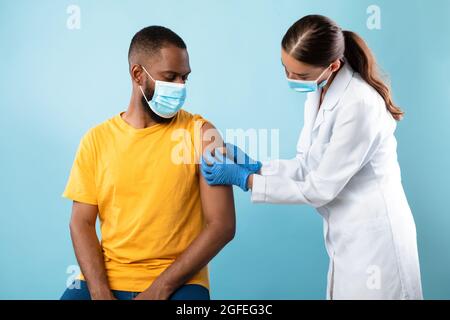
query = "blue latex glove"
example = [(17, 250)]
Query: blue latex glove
[(219, 170), (242, 159)]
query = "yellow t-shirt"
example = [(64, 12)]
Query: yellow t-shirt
[(146, 185)]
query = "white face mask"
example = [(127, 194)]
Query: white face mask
[(308, 86)]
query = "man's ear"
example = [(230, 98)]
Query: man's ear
[(136, 74)]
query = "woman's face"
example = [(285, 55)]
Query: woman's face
[(297, 70)]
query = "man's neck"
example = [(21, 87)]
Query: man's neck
[(137, 114)]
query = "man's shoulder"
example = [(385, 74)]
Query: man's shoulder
[(191, 120), (100, 128), (188, 116)]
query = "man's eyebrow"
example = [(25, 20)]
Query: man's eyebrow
[(175, 72)]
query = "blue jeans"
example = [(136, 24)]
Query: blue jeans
[(185, 292)]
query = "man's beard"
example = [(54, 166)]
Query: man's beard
[(153, 115)]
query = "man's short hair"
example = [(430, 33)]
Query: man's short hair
[(150, 40)]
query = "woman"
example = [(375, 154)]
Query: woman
[(346, 164)]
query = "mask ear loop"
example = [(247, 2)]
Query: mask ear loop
[(140, 87), (326, 80), (323, 73), (148, 73)]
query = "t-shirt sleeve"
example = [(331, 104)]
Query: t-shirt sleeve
[(196, 135), (81, 183)]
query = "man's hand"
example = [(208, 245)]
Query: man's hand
[(157, 291), (108, 295)]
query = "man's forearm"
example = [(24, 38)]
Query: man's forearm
[(90, 258), (197, 255)]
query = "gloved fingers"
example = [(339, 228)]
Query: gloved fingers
[(241, 157), (209, 177), (206, 167), (257, 166), (223, 151), (206, 175), (236, 154), (220, 154), (211, 157), (231, 151), (207, 158)]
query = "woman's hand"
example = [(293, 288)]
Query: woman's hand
[(241, 158), (218, 169)]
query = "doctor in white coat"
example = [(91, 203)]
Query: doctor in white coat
[(346, 164)]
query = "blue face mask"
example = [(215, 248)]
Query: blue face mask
[(307, 86), (168, 97)]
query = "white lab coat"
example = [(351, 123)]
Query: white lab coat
[(346, 167)]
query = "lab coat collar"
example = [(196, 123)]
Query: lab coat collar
[(332, 97), (337, 87)]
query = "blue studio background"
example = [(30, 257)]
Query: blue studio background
[(57, 82)]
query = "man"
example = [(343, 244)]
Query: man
[(161, 223)]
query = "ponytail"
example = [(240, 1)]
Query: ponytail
[(361, 59)]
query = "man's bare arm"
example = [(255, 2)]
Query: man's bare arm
[(88, 250), (220, 226)]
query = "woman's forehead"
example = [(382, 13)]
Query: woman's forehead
[(295, 66)]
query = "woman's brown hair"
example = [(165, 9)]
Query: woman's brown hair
[(319, 41)]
